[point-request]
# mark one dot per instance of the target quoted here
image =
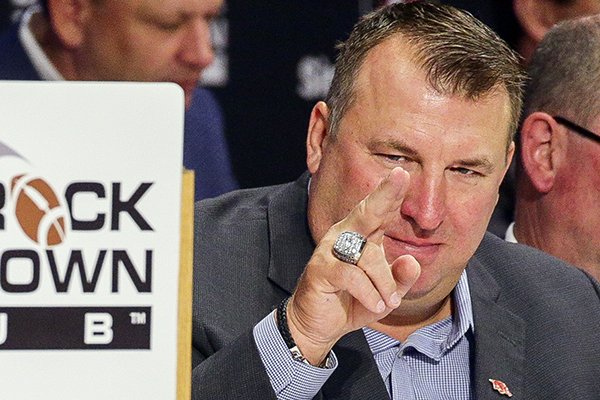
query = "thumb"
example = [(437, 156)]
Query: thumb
[(406, 270)]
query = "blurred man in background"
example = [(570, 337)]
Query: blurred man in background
[(558, 179), (536, 17), (522, 23), (130, 40)]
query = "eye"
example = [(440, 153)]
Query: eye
[(168, 26), (393, 157), (465, 171)]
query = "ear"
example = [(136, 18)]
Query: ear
[(543, 148), (536, 17), (318, 130), (68, 19)]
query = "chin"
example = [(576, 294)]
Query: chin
[(417, 292), (428, 282)]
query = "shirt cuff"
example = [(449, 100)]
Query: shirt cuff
[(290, 379)]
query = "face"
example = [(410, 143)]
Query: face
[(147, 40), (576, 196), (455, 151)]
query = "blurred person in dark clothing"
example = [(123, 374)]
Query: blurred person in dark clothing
[(130, 40), (558, 179)]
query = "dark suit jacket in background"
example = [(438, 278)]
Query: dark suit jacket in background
[(536, 319), (205, 149)]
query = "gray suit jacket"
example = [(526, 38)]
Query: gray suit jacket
[(537, 320)]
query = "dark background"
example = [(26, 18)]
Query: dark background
[(264, 44), (266, 120)]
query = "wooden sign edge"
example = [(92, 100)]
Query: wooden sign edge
[(184, 338)]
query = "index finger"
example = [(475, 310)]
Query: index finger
[(373, 211)]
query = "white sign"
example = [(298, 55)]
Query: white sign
[(90, 198)]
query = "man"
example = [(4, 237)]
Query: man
[(557, 193), (396, 290), (130, 40), (532, 19), (536, 17)]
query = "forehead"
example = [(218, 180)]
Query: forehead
[(401, 56), (394, 95)]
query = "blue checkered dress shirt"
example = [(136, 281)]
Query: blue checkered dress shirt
[(433, 363)]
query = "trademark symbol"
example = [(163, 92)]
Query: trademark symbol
[(137, 318)]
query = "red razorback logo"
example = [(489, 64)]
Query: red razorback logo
[(500, 387)]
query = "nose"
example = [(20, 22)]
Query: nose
[(196, 48), (425, 203)]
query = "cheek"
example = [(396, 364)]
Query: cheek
[(576, 185), (113, 36), (115, 58), (143, 59), (352, 179), (354, 184), (593, 169), (470, 211), (361, 179)]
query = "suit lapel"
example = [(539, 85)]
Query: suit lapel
[(291, 244), (357, 376), (498, 351)]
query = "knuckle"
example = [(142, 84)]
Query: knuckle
[(373, 295), (372, 261), (353, 276), (318, 258), (368, 258), (363, 206)]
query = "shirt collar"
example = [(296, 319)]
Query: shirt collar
[(510, 234), (463, 310), (40, 61), (461, 320)]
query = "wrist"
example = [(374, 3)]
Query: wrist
[(302, 347)]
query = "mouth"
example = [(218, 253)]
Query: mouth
[(423, 250)]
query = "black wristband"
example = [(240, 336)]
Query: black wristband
[(282, 323), (284, 330)]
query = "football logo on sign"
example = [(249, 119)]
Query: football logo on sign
[(38, 211)]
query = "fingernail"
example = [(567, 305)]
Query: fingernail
[(380, 306), (395, 299)]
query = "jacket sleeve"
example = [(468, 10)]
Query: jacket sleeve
[(234, 372)]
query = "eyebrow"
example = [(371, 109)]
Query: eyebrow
[(395, 144), (148, 12), (479, 162)]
